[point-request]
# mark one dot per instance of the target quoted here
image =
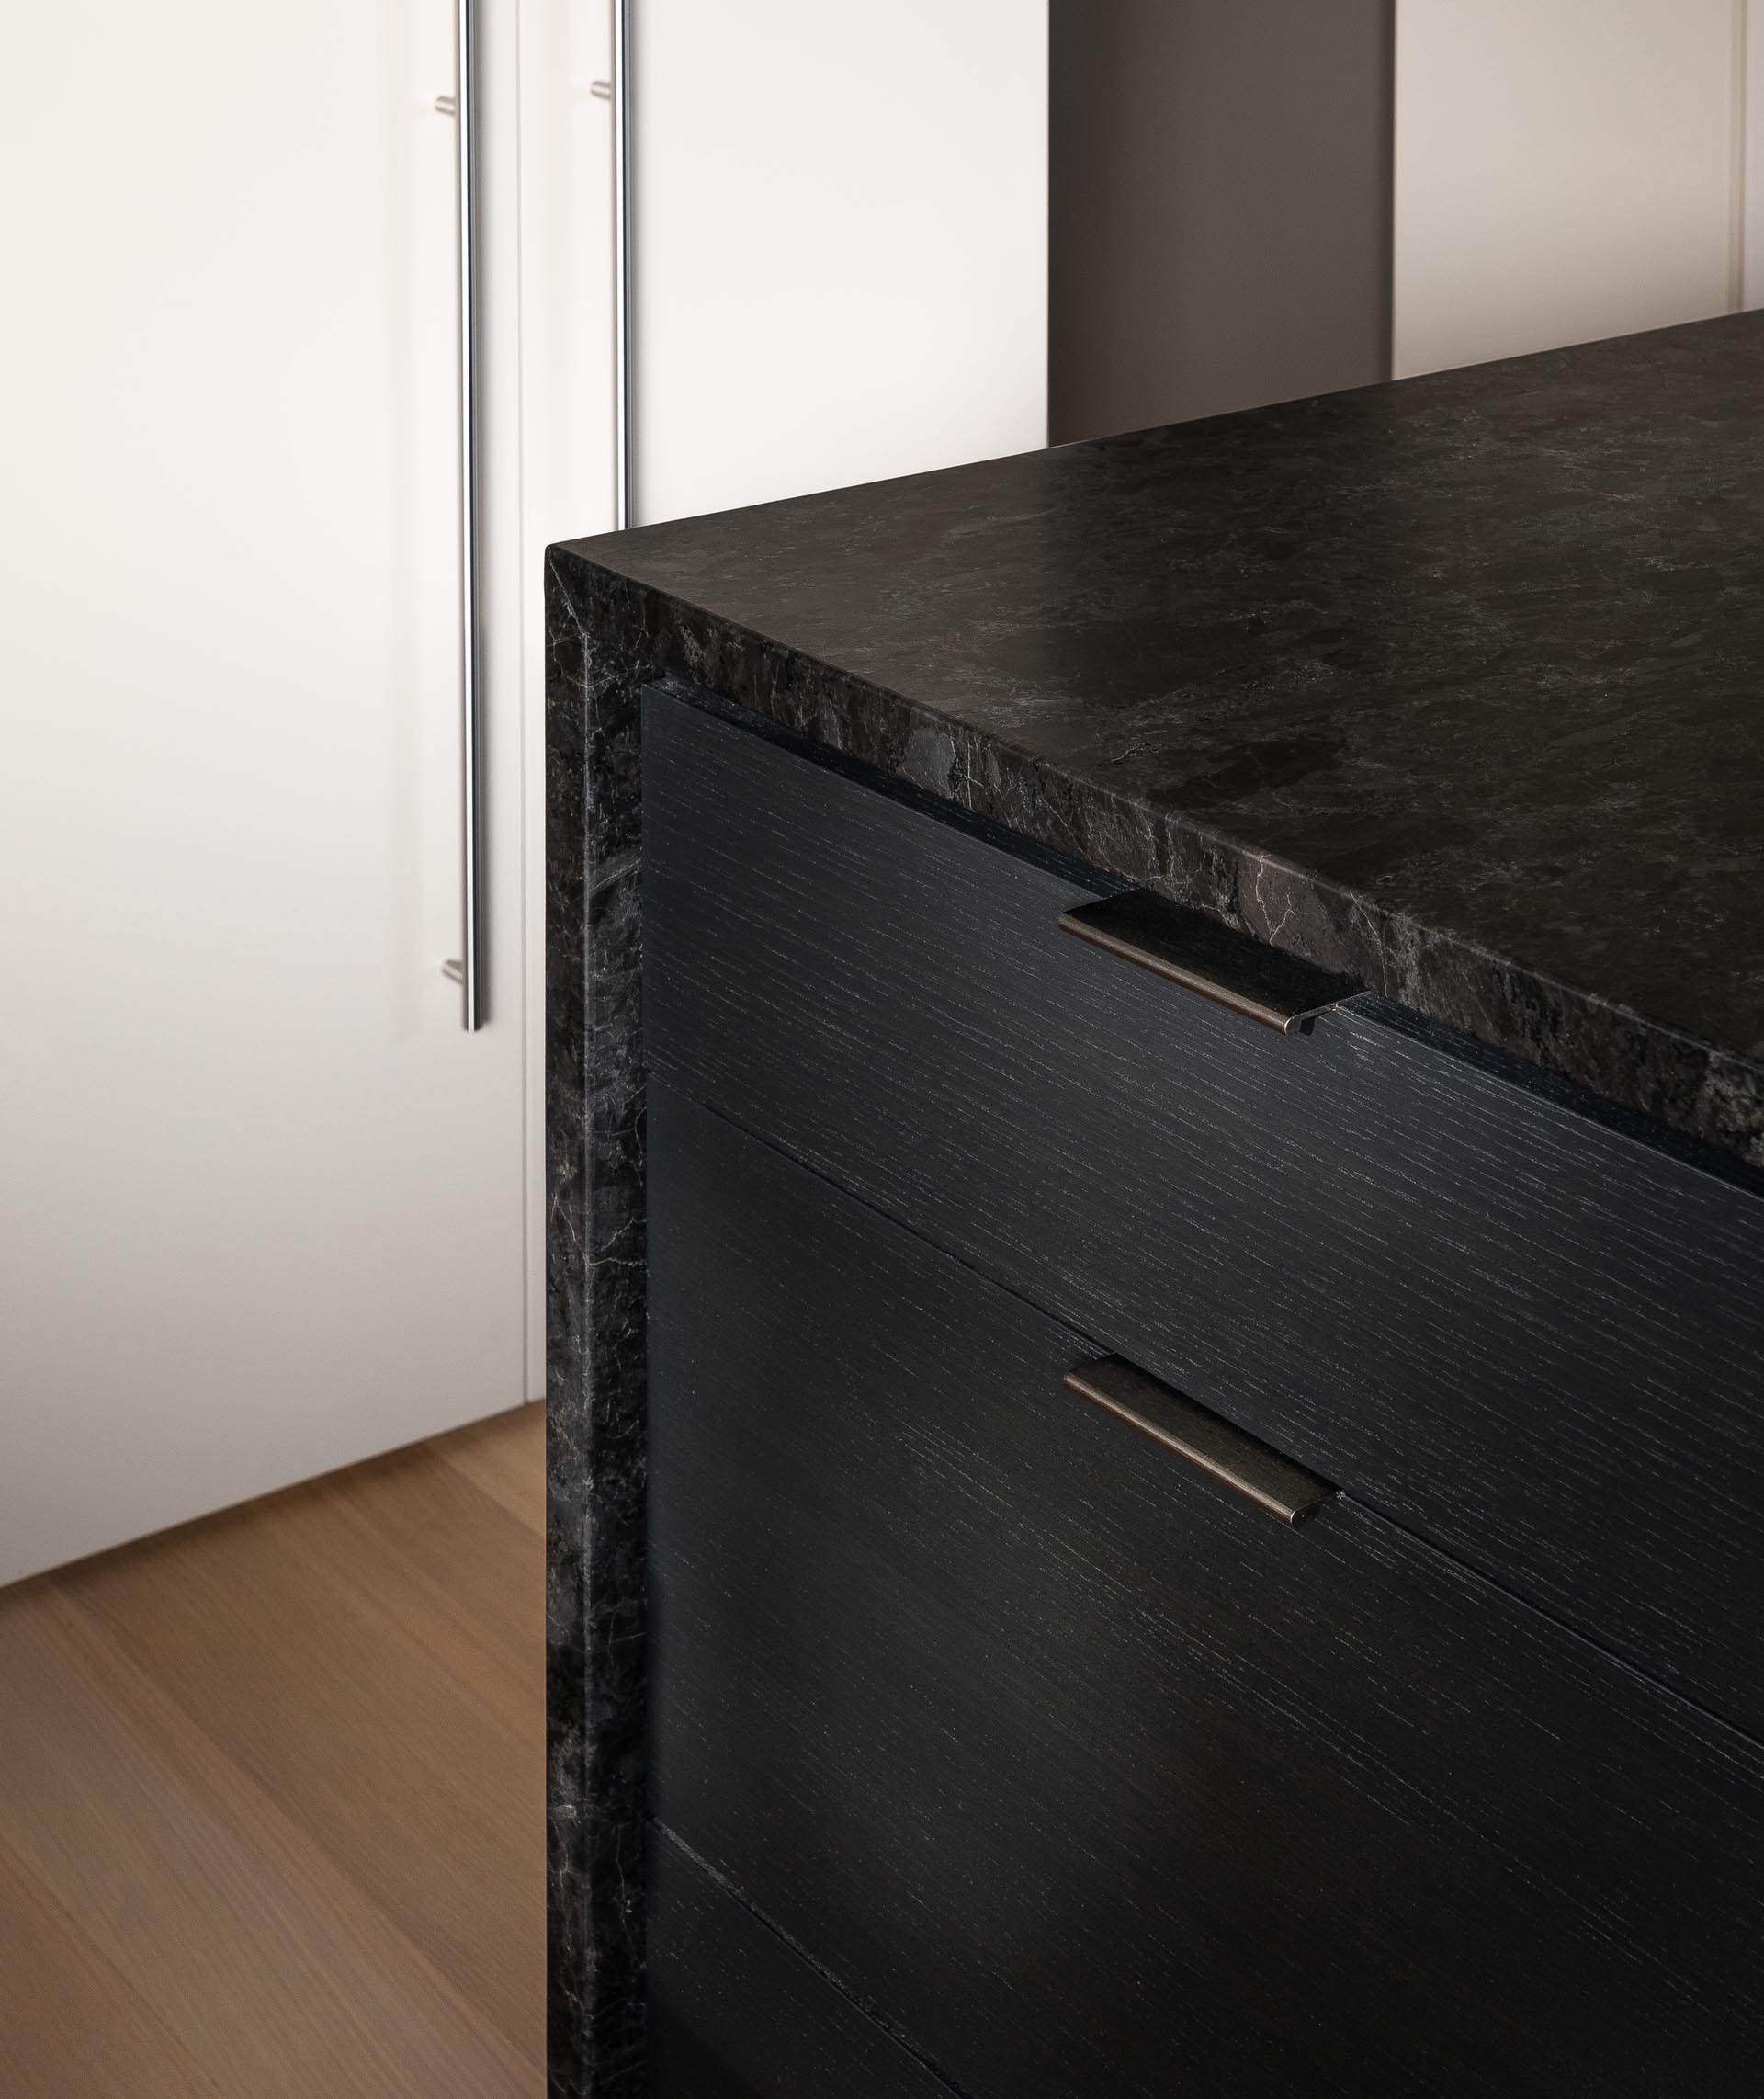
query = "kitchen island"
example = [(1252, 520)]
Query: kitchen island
[(994, 1747)]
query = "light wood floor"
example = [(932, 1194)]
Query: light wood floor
[(271, 1794)]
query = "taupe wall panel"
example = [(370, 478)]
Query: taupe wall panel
[(1220, 206)]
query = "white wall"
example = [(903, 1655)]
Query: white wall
[(1565, 170), (840, 235)]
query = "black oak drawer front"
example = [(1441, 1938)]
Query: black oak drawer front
[(735, 2014), (1526, 1336), (1091, 1778)]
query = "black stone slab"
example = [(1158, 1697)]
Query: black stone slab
[(1455, 687), (596, 1277)]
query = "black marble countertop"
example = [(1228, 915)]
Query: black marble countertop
[(1456, 685)]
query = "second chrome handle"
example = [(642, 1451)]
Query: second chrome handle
[(466, 969), (1217, 1447)]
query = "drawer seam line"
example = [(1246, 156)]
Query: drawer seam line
[(826, 1974), (683, 1083), (1552, 1616)]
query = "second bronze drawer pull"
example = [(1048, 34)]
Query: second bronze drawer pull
[(1186, 948), (1205, 1438)]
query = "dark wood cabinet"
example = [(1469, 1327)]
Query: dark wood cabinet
[(1531, 1336), (735, 2012), (1090, 1777), (995, 1749), (1420, 724)]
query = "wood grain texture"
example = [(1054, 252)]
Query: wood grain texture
[(1092, 1780), (1526, 1333), (279, 1777), (736, 2013), (69, 2021), (498, 1460)]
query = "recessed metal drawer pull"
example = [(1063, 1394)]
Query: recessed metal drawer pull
[(1156, 1410), (1187, 947)]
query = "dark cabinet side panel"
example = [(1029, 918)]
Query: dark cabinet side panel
[(1094, 1779), (735, 2014), (1527, 1336)]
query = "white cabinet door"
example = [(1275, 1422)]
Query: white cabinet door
[(264, 1206), (565, 443), (1565, 170), (841, 243)]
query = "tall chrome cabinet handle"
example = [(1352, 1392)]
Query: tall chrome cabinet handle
[(467, 970), (624, 475)]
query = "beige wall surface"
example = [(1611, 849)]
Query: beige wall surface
[(1564, 170), (1752, 258)]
